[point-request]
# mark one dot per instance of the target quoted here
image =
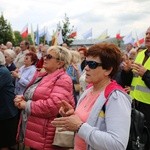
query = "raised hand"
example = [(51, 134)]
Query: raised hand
[(66, 109)]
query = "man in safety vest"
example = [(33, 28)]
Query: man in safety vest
[(140, 83)]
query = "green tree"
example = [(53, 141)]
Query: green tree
[(6, 33), (30, 39), (66, 30), (17, 38)]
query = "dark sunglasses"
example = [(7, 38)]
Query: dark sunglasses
[(92, 64), (49, 56)]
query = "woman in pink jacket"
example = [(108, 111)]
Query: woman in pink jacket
[(41, 100)]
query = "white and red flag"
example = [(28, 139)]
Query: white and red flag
[(24, 32), (140, 39), (73, 33)]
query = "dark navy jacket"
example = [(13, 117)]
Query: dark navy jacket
[(7, 108)]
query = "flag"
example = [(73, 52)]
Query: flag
[(42, 32), (32, 35), (87, 34), (54, 38), (37, 39), (118, 36), (59, 38), (73, 33), (24, 32), (128, 39), (103, 35), (139, 39), (48, 37)]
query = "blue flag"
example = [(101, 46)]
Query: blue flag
[(87, 34), (37, 39)]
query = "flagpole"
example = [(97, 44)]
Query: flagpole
[(138, 44), (44, 35), (91, 38)]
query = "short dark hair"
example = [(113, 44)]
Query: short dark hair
[(33, 57), (27, 43), (109, 54)]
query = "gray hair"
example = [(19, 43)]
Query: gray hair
[(63, 54), (11, 53), (2, 59)]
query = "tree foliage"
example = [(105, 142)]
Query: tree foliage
[(6, 33), (17, 38), (66, 30)]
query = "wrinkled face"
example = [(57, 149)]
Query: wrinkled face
[(43, 51), (27, 61), (94, 71), (8, 59), (147, 38), (23, 46), (52, 62)]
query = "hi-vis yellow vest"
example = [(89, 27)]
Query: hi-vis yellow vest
[(139, 90)]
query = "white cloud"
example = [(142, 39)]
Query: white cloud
[(123, 15)]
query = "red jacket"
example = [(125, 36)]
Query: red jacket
[(45, 107)]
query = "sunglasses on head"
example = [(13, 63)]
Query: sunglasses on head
[(92, 64), (49, 56)]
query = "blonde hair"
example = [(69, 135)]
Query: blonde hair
[(63, 54), (17, 50), (32, 48), (2, 59), (75, 57)]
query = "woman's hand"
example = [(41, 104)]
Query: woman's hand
[(127, 89), (71, 123), (15, 74), (66, 109), (20, 102)]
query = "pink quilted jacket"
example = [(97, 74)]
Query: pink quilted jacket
[(44, 108)]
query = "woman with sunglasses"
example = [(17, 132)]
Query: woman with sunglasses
[(42, 99), (102, 116)]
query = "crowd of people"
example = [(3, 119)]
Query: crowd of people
[(88, 90)]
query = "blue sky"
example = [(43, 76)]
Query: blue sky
[(114, 15)]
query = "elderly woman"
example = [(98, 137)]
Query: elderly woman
[(74, 72), (25, 74), (42, 98), (102, 116), (9, 58), (8, 112)]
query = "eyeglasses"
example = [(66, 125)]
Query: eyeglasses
[(92, 64), (49, 56)]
